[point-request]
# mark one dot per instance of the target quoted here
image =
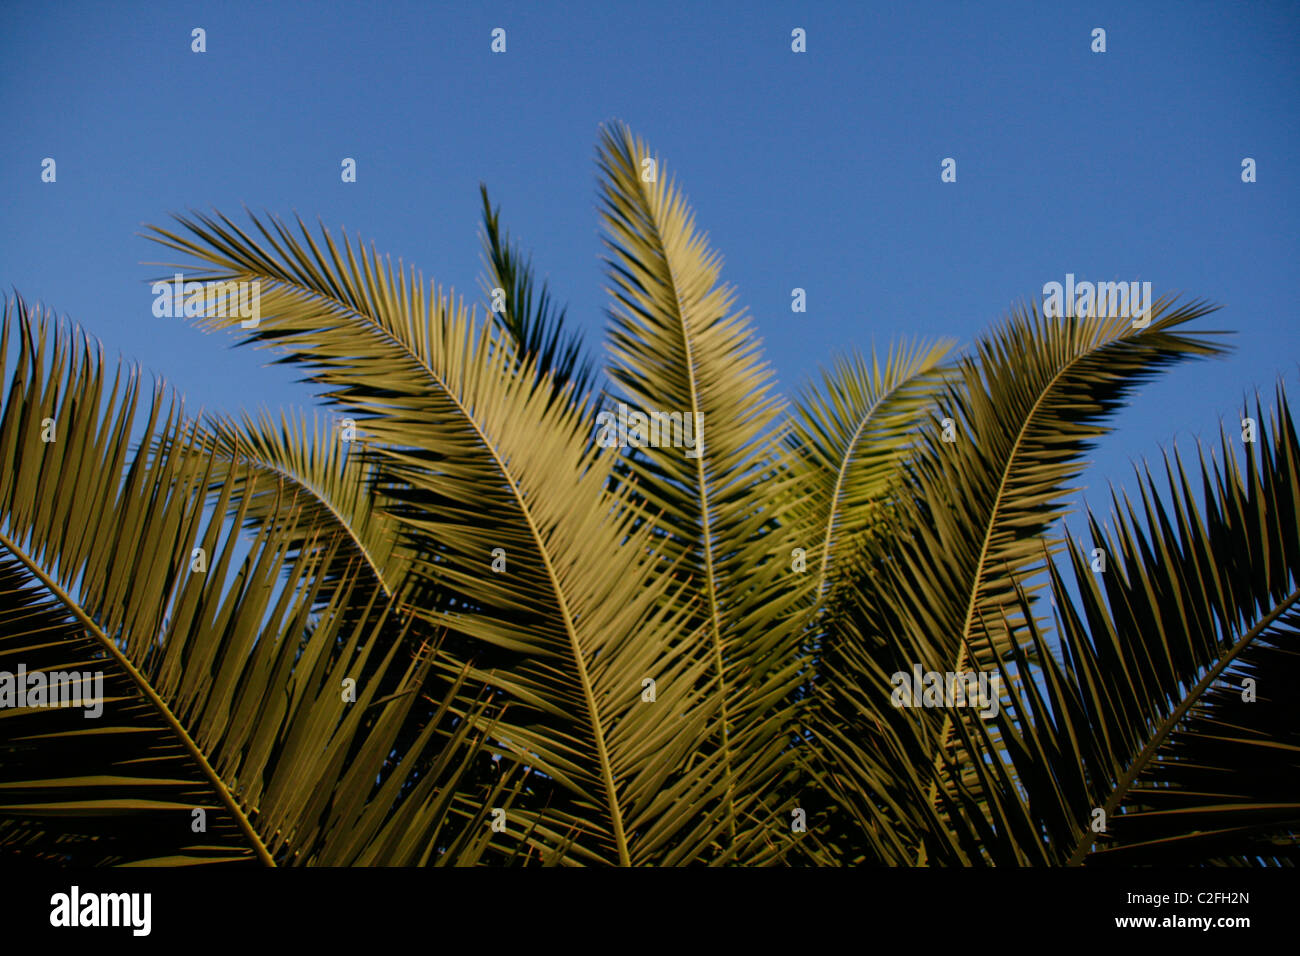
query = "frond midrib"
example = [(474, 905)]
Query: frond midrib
[(842, 473), (706, 522)]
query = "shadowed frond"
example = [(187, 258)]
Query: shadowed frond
[(536, 326), (220, 683)]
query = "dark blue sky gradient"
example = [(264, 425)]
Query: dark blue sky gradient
[(818, 170)]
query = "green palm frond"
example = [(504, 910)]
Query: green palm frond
[(681, 354), (220, 680), (1198, 598), (1028, 405), (335, 479), (850, 437), (537, 327)]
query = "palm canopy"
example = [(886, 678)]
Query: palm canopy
[(570, 653)]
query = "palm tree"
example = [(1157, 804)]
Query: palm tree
[(460, 629)]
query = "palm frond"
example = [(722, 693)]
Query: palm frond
[(537, 327), (335, 479), (850, 437), (220, 680), (709, 462)]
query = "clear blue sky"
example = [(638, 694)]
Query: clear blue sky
[(819, 170)]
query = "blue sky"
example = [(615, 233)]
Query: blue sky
[(819, 171)]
